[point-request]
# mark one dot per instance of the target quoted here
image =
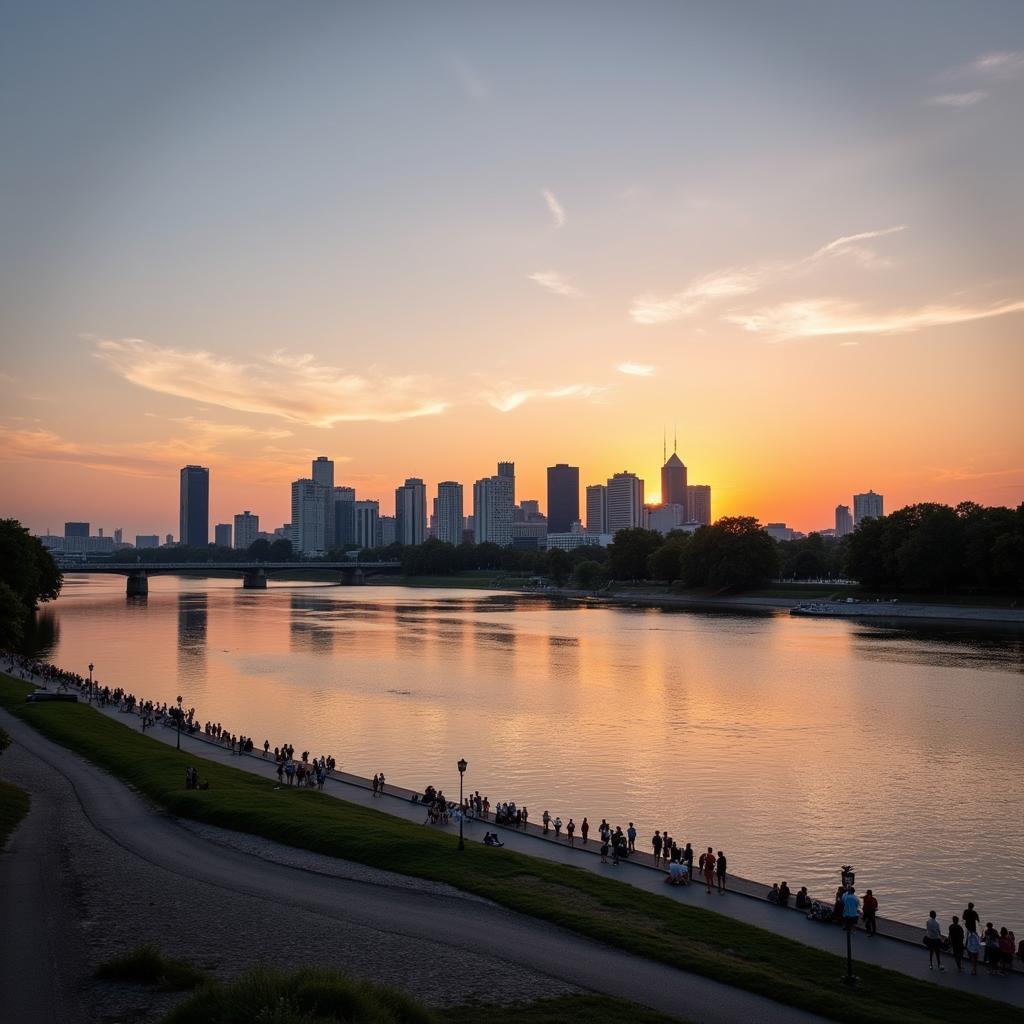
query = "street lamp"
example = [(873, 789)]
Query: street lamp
[(181, 714), (849, 923), (462, 771), (91, 666)]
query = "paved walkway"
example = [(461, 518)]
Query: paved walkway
[(898, 946)]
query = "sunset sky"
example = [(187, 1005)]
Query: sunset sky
[(418, 238)]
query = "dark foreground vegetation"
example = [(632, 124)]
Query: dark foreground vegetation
[(602, 909), (14, 802)]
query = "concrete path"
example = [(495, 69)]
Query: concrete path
[(897, 946), (479, 927)]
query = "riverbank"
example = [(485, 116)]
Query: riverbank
[(591, 902)]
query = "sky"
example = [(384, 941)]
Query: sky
[(421, 238)]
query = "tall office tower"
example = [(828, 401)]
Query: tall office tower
[(118, 535), (76, 529), (866, 506), (625, 502), (323, 474), (411, 512), (507, 471), (222, 535), (344, 535), (387, 531), (673, 481), (366, 523), (309, 517), (844, 521), (194, 507), (597, 510), (147, 540), (246, 527), (448, 512), (169, 540), (698, 504), (563, 497), (492, 509)]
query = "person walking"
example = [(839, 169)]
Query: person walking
[(720, 872), (656, 844), (870, 906), (380, 784), (956, 942), (933, 940), (709, 868)]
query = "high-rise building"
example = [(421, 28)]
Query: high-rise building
[(411, 512), (76, 529), (147, 540), (118, 536), (844, 521), (322, 473), (779, 531), (563, 497), (194, 507), (625, 502), (448, 512), (666, 518), (867, 506), (493, 502), (222, 535), (246, 527), (387, 531), (344, 536), (366, 524), (309, 517), (507, 471), (698, 504), (597, 510)]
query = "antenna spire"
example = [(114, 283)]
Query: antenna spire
[(674, 439)]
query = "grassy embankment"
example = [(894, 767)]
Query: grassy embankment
[(326, 996), (13, 801), (615, 913)]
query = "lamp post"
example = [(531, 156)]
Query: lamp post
[(181, 714), (91, 666), (849, 923), (462, 771)]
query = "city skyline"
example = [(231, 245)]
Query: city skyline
[(813, 273)]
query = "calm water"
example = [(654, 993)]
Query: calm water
[(794, 745)]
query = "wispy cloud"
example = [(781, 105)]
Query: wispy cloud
[(958, 100), (999, 64), (636, 369), (292, 387), (554, 282), (853, 246), (554, 207), (649, 309), (472, 83), (822, 317), (507, 397)]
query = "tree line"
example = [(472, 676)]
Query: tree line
[(28, 575)]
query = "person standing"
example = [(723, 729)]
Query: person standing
[(720, 872), (584, 830), (933, 940), (851, 909), (570, 831), (546, 818), (380, 784), (631, 837), (870, 910), (558, 828), (956, 942), (656, 843), (973, 947), (971, 918), (709, 868)]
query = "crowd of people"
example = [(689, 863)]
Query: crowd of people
[(964, 941)]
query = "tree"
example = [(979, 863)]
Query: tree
[(629, 551), (666, 563), (589, 575), (557, 565), (735, 552), (28, 575)]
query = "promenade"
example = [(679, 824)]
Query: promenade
[(897, 946)]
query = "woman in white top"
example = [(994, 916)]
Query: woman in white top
[(933, 940)]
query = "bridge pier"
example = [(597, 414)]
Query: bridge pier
[(138, 584), (352, 577), (255, 580)]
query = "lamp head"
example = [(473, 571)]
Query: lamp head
[(462, 766)]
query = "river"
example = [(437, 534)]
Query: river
[(795, 745)]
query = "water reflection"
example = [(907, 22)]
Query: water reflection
[(193, 623)]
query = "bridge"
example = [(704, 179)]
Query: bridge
[(254, 574)]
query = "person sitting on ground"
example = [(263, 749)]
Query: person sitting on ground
[(773, 893), (803, 899), (676, 873), (491, 839), (784, 895)]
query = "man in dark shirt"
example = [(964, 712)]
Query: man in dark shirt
[(870, 908), (956, 942), (656, 843), (971, 918), (720, 871)]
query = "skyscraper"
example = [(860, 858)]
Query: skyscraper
[(625, 502), (309, 517), (448, 512), (673, 481), (563, 497), (366, 521), (493, 501), (323, 474), (194, 507), (698, 504), (844, 521), (76, 529), (507, 470), (866, 506), (597, 509), (344, 535), (246, 527), (222, 535), (411, 512)]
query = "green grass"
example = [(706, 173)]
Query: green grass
[(14, 802), (318, 995), (146, 965), (649, 925)]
